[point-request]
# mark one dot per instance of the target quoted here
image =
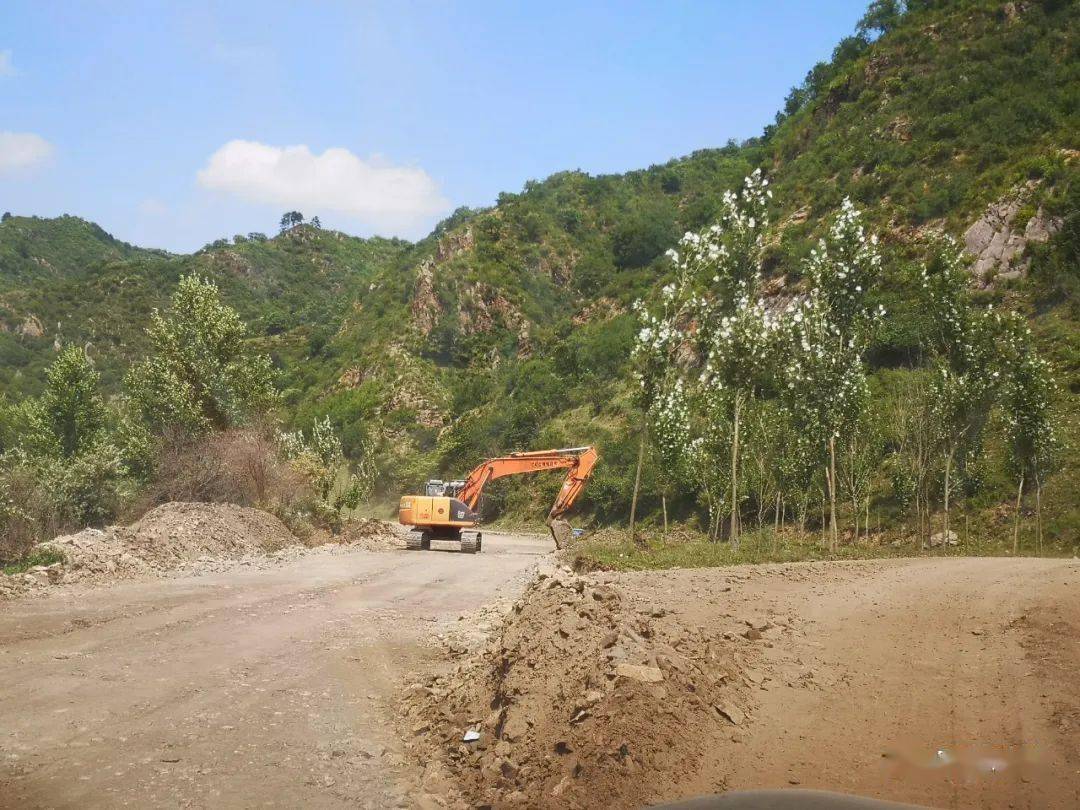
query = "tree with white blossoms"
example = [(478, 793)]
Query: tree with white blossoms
[(713, 335), (824, 338), (651, 357), (1028, 396), (966, 378), (669, 417), (824, 388)]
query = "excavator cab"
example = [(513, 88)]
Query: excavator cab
[(437, 488), (448, 510)]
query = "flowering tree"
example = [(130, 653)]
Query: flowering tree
[(712, 335), (1028, 395), (825, 387), (824, 338), (966, 377)]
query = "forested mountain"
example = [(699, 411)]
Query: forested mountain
[(510, 327)]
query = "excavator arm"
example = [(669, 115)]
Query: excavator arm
[(578, 461)]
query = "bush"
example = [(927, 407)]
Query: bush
[(43, 497), (240, 466), (201, 375), (318, 458)]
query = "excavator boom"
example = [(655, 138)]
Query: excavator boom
[(451, 517)]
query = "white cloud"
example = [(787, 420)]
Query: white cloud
[(22, 150), (388, 198), (6, 67)]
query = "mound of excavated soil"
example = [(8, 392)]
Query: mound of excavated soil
[(166, 538), (188, 538), (372, 535), (584, 690)]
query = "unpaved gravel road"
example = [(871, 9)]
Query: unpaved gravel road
[(269, 688), (884, 664), (276, 688)]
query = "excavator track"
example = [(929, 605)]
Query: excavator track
[(418, 541), (471, 542)]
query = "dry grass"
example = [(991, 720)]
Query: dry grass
[(239, 466)]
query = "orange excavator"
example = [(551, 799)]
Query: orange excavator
[(449, 510)]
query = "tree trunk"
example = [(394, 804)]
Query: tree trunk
[(833, 540), (1016, 522), (948, 469), (855, 512), (1038, 515), (734, 476), (637, 486), (663, 505), (824, 536), (866, 522), (776, 525)]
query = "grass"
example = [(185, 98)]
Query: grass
[(611, 549), (34, 558)]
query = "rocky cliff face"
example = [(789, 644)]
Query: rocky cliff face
[(999, 237)]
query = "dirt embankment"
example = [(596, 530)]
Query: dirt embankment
[(584, 690), (181, 538), (938, 682)]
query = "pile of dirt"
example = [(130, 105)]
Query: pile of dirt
[(583, 691), (169, 538), (187, 538), (372, 535)]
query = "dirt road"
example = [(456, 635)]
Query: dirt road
[(277, 688), (239, 689), (945, 682)]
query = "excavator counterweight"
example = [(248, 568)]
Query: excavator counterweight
[(449, 510)]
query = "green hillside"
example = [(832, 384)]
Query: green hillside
[(510, 327)]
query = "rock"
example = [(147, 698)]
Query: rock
[(941, 538), (435, 780), (603, 593), (752, 634), (639, 672), (563, 784), (514, 728), (732, 713), (507, 768), (997, 243), (590, 699)]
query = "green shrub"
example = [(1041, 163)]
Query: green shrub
[(201, 374)]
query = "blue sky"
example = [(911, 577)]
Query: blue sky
[(172, 124)]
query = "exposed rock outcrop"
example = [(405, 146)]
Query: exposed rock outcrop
[(454, 244), (31, 327), (602, 309), (483, 308), (425, 308), (997, 240)]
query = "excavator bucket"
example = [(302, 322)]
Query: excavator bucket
[(561, 532)]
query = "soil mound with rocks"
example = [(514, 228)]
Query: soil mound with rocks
[(585, 691), (187, 538), (167, 537), (372, 535)]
